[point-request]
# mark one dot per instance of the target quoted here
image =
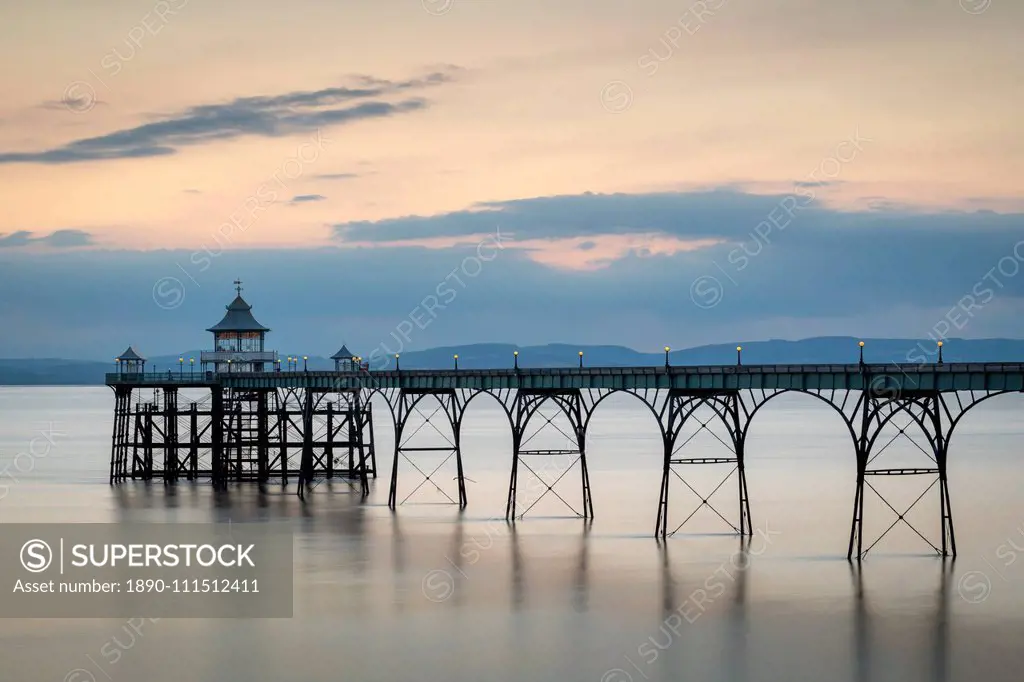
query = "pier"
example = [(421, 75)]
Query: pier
[(242, 418)]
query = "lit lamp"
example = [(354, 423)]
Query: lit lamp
[(192, 366), (940, 352), (278, 363), (456, 356), (117, 365), (229, 366), (181, 366), (581, 359), (515, 358), (739, 355), (667, 349), (305, 361), (398, 366), (861, 344)]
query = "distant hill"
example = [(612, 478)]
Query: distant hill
[(825, 350)]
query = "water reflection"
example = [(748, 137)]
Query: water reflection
[(399, 562), (865, 646), (687, 614), (581, 578), (457, 560), (518, 570)]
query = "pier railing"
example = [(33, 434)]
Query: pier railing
[(877, 377)]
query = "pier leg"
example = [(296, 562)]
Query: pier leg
[(366, 422), (856, 548), (513, 481), (357, 437), (457, 428), (122, 399), (739, 444), (399, 427), (193, 449), (329, 445), (170, 435), (746, 525), (263, 437), (941, 450), (137, 431), (147, 449), (661, 527), (581, 441), (217, 450), (127, 439), (282, 436), (306, 463)]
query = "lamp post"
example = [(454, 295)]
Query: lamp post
[(940, 352), (667, 349), (181, 367), (515, 359), (456, 356), (117, 366), (581, 359), (398, 365), (739, 355), (191, 367), (278, 363), (229, 366), (861, 344), (305, 363)]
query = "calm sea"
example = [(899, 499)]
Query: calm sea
[(432, 594)]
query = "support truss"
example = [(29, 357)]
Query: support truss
[(680, 407), (924, 412), (734, 410), (450, 407), (576, 405)]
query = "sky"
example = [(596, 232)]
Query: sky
[(635, 172)]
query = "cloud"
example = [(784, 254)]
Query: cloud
[(74, 105), (590, 231), (720, 215), (712, 214), (307, 198), (337, 176), (60, 239), (874, 273), (264, 116)]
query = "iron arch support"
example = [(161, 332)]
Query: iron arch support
[(569, 402), (408, 403)]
